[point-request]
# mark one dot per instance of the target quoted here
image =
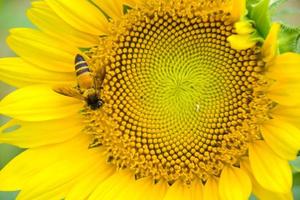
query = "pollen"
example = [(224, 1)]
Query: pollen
[(179, 102)]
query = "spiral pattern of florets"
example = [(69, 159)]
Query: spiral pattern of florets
[(177, 96)]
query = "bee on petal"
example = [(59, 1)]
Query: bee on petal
[(86, 88)]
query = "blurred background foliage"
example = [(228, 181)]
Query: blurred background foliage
[(13, 14)]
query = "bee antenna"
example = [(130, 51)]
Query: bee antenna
[(79, 58)]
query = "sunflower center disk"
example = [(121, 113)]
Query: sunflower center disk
[(177, 95)]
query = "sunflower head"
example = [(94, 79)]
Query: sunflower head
[(178, 98)]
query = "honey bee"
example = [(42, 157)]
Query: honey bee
[(87, 88)]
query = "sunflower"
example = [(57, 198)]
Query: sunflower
[(194, 98)]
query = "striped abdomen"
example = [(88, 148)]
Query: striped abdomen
[(83, 73)]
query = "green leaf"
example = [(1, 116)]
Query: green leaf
[(289, 39), (258, 11)]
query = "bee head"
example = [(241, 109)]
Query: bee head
[(94, 102)]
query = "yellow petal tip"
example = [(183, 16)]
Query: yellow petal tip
[(241, 42), (270, 46)]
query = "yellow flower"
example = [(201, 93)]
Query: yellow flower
[(196, 103)]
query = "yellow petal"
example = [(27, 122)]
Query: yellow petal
[(241, 42), (113, 8), (285, 93), (135, 3), (21, 169), (285, 67), (38, 103), (270, 47), (261, 192), (14, 174), (210, 190), (271, 172), (179, 191), (55, 180), (155, 191), (244, 27), (131, 192), (19, 73), (282, 137), (86, 185), (122, 185), (56, 186), (138, 189), (80, 14), (45, 19), (34, 134), (234, 184), (112, 186), (42, 50), (238, 9), (287, 113), (197, 190)]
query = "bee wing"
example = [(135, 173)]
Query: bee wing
[(68, 91), (102, 75), (99, 78)]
